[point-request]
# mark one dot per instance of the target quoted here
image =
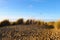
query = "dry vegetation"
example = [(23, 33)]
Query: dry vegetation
[(29, 30)]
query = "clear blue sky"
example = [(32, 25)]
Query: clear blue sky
[(35, 9)]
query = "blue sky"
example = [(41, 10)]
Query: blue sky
[(30, 9)]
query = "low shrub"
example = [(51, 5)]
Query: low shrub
[(20, 21), (27, 22), (5, 23), (50, 26), (14, 23)]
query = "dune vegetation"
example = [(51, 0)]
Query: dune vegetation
[(29, 30)]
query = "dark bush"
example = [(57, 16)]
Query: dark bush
[(31, 21), (49, 26), (20, 21), (5, 23), (27, 22), (14, 23)]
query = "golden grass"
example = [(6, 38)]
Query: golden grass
[(29, 32)]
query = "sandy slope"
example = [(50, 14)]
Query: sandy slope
[(28, 32)]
